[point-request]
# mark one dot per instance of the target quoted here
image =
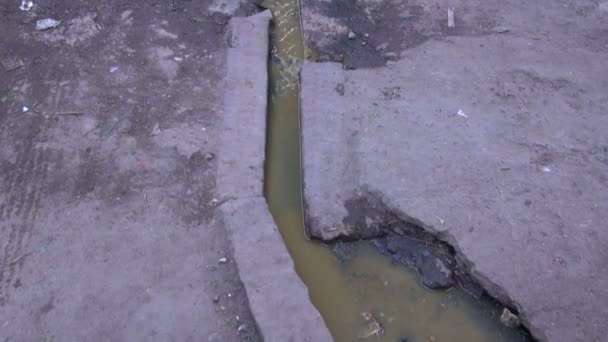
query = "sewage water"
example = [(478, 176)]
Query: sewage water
[(344, 288)]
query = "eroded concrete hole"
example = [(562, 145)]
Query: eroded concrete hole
[(436, 262)]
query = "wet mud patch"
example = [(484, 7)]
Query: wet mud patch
[(364, 34), (370, 39)]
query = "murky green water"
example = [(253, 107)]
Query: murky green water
[(369, 282)]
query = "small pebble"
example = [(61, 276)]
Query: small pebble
[(351, 35), (25, 109), (216, 299), (223, 260), (363, 43), (209, 156), (366, 35)]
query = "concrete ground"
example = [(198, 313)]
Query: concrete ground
[(491, 134), (108, 201)]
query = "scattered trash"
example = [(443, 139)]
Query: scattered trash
[(214, 202), (441, 221), (545, 169), (230, 295), (462, 113), (223, 260), (451, 23), (351, 35), (11, 63), (363, 43), (25, 109), (509, 319), (114, 68), (3, 98), (366, 35), (178, 59), (501, 29), (155, 130), (559, 260), (382, 47), (373, 327), (237, 318), (126, 14), (26, 5), (45, 24), (242, 328)]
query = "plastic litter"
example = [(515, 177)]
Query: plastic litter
[(26, 5), (451, 17), (114, 68), (373, 327), (45, 24), (155, 130), (462, 113)]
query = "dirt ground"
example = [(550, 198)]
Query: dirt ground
[(108, 135)]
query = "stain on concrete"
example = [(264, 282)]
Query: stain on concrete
[(364, 34)]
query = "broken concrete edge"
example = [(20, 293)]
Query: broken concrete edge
[(493, 290), (387, 213), (316, 175), (278, 299)]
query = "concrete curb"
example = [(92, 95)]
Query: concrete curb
[(277, 297)]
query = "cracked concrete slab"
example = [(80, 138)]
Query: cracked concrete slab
[(496, 143)]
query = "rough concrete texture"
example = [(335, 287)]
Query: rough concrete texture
[(491, 135), (278, 298), (108, 227)]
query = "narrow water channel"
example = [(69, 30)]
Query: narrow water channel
[(344, 288)]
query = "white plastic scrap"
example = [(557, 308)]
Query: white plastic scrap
[(25, 109), (26, 5), (451, 17), (155, 130), (45, 24), (462, 113)]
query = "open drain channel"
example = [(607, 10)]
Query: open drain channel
[(343, 287)]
